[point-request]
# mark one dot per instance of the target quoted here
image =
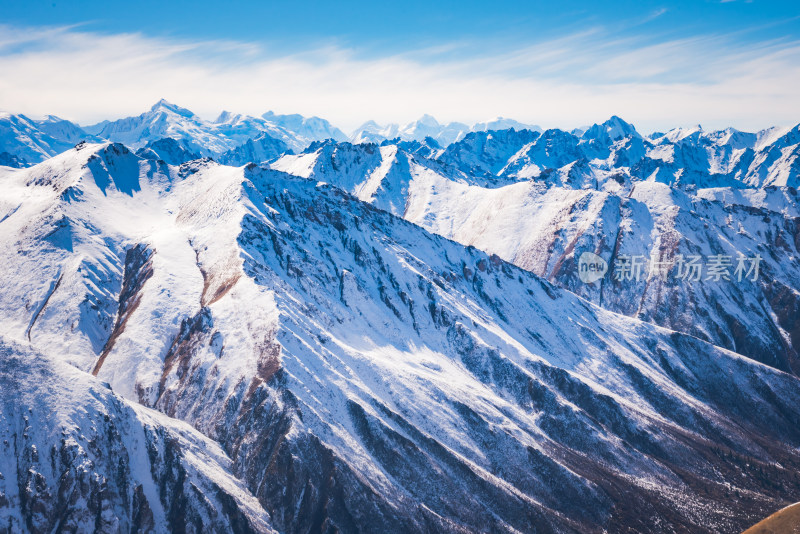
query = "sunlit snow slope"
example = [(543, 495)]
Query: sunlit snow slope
[(540, 201)]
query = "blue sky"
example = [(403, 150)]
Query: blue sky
[(657, 64), (396, 26)]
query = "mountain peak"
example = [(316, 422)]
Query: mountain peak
[(370, 124), (226, 116), (271, 115), (428, 120), (52, 118), (503, 123), (614, 129), (164, 105), (618, 128), (678, 134)]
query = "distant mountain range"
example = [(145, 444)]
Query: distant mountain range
[(506, 149), (24, 141)]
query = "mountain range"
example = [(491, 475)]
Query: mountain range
[(536, 200), (24, 141), (260, 325)]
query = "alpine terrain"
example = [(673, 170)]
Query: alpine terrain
[(260, 324)]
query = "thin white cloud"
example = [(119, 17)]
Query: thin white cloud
[(654, 15), (574, 80)]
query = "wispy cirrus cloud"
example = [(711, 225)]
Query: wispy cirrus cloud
[(654, 15), (576, 79)]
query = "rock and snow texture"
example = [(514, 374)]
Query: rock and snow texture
[(261, 149), (169, 150), (541, 200), (25, 141), (683, 156), (78, 458), (357, 372)]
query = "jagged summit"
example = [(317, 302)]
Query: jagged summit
[(427, 120), (226, 116), (613, 129), (164, 105)]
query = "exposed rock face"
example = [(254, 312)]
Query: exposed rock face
[(167, 149), (262, 148), (10, 160)]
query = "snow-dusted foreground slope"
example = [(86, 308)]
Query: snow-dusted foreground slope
[(77, 458), (363, 374)]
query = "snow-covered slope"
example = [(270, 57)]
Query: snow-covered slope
[(78, 458), (169, 150), (545, 230), (552, 202), (487, 152), (363, 374)]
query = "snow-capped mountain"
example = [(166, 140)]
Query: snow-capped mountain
[(372, 132), (162, 120), (25, 141), (229, 132), (261, 149), (692, 157), (682, 156), (359, 373), (428, 126), (64, 130), (425, 126), (611, 131), (307, 128), (487, 152), (243, 128), (502, 123)]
